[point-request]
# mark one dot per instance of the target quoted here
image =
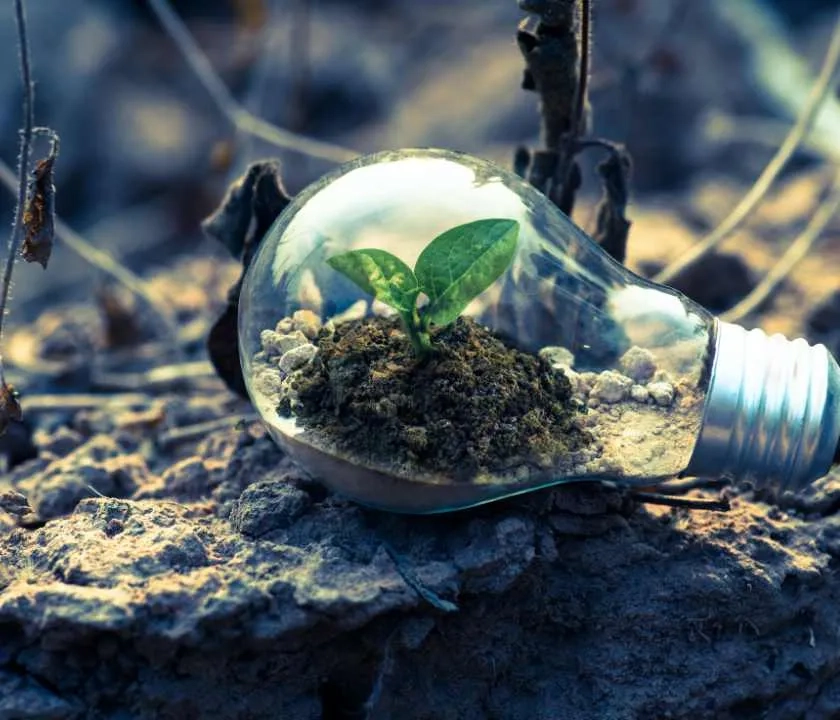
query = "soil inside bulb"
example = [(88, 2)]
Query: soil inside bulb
[(479, 420), (475, 406)]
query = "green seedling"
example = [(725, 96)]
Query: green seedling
[(454, 268)]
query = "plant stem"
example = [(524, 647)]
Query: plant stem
[(420, 340), (23, 163)]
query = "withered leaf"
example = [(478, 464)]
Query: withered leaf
[(39, 212), (120, 317), (612, 226), (14, 503), (9, 406), (249, 209)]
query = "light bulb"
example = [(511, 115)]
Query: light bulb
[(618, 379)]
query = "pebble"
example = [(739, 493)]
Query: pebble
[(267, 380), (297, 357), (285, 326), (638, 364), (307, 322), (611, 387), (275, 343), (557, 357), (639, 393), (662, 393)]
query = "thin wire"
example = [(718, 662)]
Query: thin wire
[(821, 90), (798, 250), (237, 115)]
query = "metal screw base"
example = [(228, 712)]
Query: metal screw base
[(772, 412)]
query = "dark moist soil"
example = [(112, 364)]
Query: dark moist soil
[(477, 405)]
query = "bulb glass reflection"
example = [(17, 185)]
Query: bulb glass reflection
[(638, 355)]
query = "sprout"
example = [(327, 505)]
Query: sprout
[(454, 268)]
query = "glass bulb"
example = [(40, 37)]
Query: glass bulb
[(567, 367)]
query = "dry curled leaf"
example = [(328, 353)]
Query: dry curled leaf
[(14, 503), (612, 225), (250, 207), (121, 325), (9, 406), (39, 212)]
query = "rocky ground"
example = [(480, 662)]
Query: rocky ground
[(161, 558)]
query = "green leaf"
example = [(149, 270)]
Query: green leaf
[(381, 274), (462, 263)]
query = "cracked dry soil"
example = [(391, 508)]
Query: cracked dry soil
[(210, 578)]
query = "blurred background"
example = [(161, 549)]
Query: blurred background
[(702, 94)]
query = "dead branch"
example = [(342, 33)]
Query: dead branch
[(557, 50), (158, 378), (23, 164), (199, 430), (719, 505), (797, 252), (238, 116), (9, 406), (49, 403), (820, 91)]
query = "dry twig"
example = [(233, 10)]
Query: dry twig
[(199, 430), (797, 252), (158, 378), (557, 58), (719, 505), (237, 115), (9, 406), (49, 403), (821, 90)]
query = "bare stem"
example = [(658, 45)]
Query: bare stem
[(237, 115), (821, 90), (798, 250), (23, 165), (583, 74)]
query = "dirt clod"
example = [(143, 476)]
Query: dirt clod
[(476, 405)]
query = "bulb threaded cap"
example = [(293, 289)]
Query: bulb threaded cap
[(772, 411)]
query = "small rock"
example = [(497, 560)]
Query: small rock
[(275, 343), (638, 364), (285, 326), (99, 467), (662, 393), (267, 380), (307, 322), (188, 479), (297, 357), (268, 341), (639, 393), (268, 505), (662, 376), (558, 357), (62, 442), (611, 387)]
